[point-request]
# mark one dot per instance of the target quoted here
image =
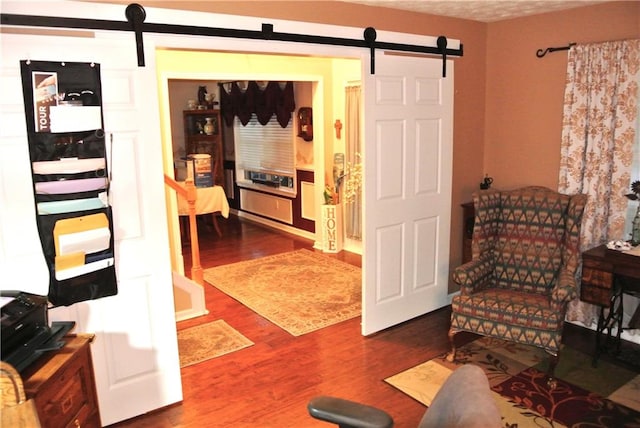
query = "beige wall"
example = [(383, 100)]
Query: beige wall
[(525, 93), (507, 102), (469, 98)]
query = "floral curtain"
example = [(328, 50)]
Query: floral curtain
[(598, 133), (353, 217)]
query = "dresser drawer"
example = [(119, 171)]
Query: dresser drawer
[(596, 285), (64, 398), (63, 388)]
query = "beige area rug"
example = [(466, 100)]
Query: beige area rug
[(300, 291), (606, 396), (206, 341)]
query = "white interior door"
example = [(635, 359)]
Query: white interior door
[(135, 353), (407, 198)]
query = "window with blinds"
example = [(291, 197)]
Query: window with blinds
[(264, 154)]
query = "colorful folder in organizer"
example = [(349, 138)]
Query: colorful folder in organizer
[(88, 234), (72, 205), (76, 237), (61, 187)]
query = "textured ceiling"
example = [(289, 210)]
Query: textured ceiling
[(480, 10)]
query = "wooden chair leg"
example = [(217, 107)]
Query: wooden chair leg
[(214, 218), (552, 383), (451, 356)]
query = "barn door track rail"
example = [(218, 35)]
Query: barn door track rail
[(136, 15)]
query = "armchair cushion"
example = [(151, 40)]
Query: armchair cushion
[(512, 315)]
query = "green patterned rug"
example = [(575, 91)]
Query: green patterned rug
[(606, 396), (300, 291)]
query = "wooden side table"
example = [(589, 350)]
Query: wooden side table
[(606, 276), (63, 387), (468, 220)]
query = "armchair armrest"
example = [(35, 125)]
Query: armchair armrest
[(565, 289), (348, 414), (475, 275)]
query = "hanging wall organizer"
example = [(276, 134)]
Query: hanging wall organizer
[(63, 109), (136, 15)]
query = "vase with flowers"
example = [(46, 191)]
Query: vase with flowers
[(350, 181), (635, 229), (345, 188)]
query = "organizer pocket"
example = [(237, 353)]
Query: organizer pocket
[(88, 286), (69, 166), (78, 247), (72, 205), (77, 264), (80, 231), (51, 146), (59, 187), (68, 197)]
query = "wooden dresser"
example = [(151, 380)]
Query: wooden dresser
[(468, 219), (606, 276), (63, 386)]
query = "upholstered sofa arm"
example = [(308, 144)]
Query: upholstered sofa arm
[(475, 275), (565, 289)]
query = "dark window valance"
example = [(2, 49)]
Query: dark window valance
[(263, 102)]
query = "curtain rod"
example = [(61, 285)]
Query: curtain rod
[(542, 52), (136, 15)]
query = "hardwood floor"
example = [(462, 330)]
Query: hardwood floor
[(270, 383)]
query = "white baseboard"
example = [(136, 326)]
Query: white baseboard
[(195, 306), (275, 225)]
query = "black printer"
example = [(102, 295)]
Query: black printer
[(26, 333)]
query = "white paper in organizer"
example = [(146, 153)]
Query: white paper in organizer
[(63, 274), (88, 241), (68, 166), (69, 118)]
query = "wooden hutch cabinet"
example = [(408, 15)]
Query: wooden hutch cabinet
[(199, 139)]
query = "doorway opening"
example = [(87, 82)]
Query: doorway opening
[(320, 85)]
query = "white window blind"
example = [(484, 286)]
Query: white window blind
[(268, 149)]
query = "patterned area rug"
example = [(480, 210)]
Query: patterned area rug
[(206, 341), (606, 396), (300, 291)]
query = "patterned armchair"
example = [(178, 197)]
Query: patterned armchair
[(526, 251)]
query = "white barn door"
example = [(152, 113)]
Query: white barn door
[(408, 166), (135, 352)]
